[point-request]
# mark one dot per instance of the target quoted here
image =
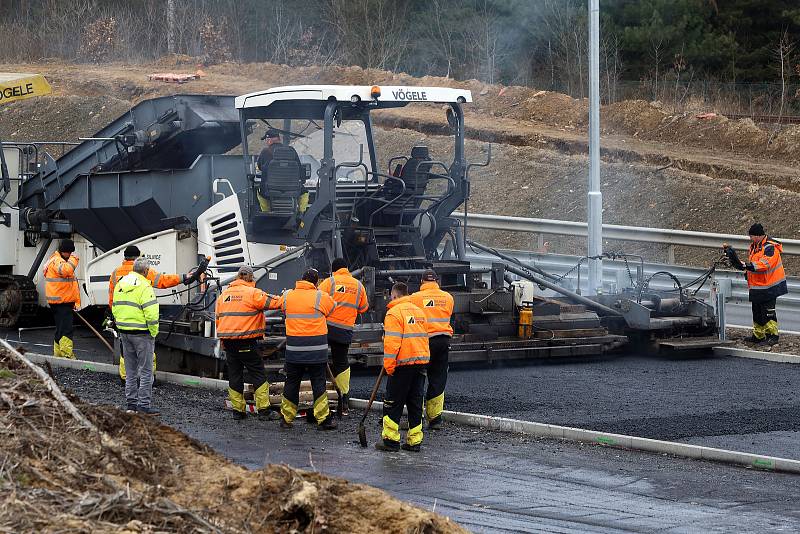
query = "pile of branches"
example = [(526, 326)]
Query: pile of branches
[(67, 466), (58, 468)]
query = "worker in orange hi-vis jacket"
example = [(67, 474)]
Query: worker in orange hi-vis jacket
[(61, 291), (351, 299), (306, 309), (405, 359), (240, 323), (438, 307)]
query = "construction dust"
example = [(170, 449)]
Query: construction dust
[(66, 465)]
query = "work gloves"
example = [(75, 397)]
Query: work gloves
[(734, 258), (195, 274)]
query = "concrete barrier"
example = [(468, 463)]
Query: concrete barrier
[(736, 352)]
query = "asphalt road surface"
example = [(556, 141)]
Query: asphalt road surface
[(736, 403), (489, 481)]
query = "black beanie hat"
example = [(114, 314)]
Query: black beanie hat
[(66, 245), (131, 252), (429, 275), (756, 229)]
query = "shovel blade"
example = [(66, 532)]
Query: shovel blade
[(362, 435)]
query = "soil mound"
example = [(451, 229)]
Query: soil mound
[(69, 466), (58, 118)]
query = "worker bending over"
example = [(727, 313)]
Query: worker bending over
[(438, 308), (157, 280), (240, 322), (135, 310), (405, 358), (766, 280), (306, 309), (61, 291), (351, 299)]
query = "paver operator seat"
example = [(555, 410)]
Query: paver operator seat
[(401, 200), (282, 184)]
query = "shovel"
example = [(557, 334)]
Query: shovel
[(362, 431)]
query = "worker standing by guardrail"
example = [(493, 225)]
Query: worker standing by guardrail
[(351, 299), (438, 307), (61, 290), (766, 280)]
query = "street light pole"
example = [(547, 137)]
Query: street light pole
[(595, 199)]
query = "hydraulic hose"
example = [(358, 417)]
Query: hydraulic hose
[(509, 259)]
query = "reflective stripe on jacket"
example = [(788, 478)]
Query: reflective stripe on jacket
[(306, 309), (351, 299), (135, 307), (61, 286), (438, 308), (405, 337), (157, 279), (240, 311), (768, 280)]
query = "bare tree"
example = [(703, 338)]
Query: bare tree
[(566, 44), (444, 34), (370, 32), (171, 26), (656, 53), (612, 65), (783, 53)]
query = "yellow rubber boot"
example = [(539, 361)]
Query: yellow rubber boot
[(66, 347), (57, 350), (343, 381), (321, 409), (261, 396), (288, 410)]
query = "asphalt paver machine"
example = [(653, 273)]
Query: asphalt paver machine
[(179, 177)]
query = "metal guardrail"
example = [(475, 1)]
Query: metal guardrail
[(617, 232)]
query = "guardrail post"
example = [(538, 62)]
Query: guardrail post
[(623, 280), (721, 291), (670, 253)]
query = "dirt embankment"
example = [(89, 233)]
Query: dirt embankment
[(527, 181), (128, 474), (639, 120)]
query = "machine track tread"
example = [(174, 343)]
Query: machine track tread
[(19, 300)]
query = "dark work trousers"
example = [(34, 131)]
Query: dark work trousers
[(765, 320), (405, 388), (62, 315), (437, 375), (340, 364), (241, 355), (291, 389)]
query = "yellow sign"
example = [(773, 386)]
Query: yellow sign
[(19, 86)]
